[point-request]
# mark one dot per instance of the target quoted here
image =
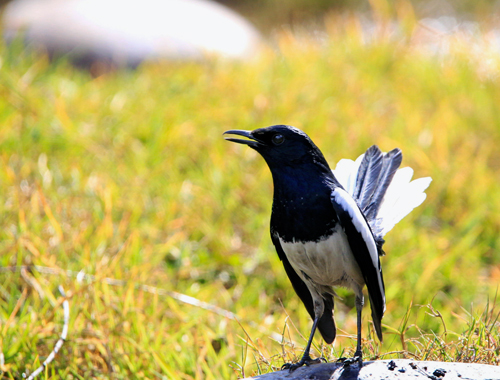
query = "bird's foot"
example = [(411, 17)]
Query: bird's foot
[(306, 360), (357, 358)]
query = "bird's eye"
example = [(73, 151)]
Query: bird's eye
[(278, 139)]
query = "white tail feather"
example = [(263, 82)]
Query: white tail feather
[(346, 172), (401, 197)]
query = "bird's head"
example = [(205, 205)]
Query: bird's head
[(280, 145)]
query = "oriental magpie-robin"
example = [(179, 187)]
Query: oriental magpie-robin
[(328, 226)]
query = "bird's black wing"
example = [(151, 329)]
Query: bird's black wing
[(364, 249), (326, 323)]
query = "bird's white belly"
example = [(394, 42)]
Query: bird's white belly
[(327, 262)]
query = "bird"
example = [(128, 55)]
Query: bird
[(328, 226)]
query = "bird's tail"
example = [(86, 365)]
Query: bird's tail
[(377, 315), (384, 194), (326, 324)]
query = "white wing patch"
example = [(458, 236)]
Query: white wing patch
[(349, 205)]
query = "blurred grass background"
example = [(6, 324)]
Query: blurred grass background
[(127, 177)]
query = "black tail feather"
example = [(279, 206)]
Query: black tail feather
[(326, 324), (377, 304), (377, 320), (390, 164), (368, 175)]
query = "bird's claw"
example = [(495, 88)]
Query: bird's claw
[(307, 361), (351, 361)]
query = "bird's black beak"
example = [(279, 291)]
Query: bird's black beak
[(252, 141)]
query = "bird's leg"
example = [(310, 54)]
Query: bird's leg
[(358, 355), (359, 308), (306, 358)]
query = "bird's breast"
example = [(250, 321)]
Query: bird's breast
[(303, 217), (327, 261)]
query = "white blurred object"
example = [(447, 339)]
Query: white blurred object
[(129, 31)]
